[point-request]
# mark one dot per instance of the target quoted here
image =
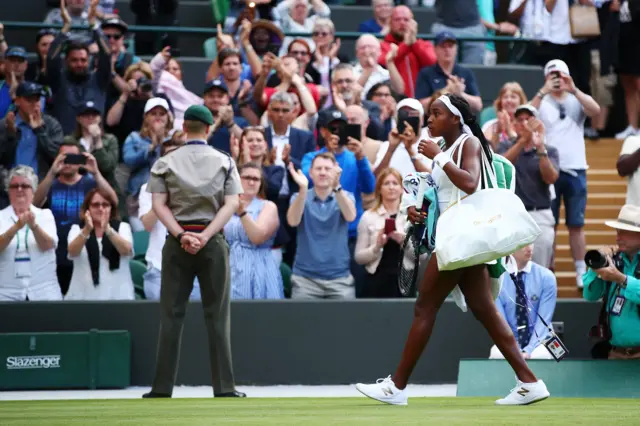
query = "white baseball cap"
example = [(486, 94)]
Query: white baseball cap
[(527, 107), (411, 103), (156, 102), (556, 65)]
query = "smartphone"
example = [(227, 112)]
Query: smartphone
[(414, 122), (76, 159), (354, 131), (340, 130), (389, 225), (274, 48), (555, 77)]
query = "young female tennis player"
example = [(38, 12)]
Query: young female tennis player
[(451, 118)]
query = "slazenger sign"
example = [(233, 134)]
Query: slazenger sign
[(33, 362)]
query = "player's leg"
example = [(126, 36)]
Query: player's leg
[(434, 289), (476, 287)]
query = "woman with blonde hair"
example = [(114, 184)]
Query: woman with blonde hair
[(142, 148), (380, 237), (500, 129)]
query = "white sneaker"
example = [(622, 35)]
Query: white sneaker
[(629, 131), (525, 393), (384, 390)]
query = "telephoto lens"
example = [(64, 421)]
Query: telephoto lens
[(595, 260)]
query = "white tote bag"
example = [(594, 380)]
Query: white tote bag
[(483, 226)]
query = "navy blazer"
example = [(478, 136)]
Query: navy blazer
[(301, 142)]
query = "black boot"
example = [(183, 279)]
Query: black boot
[(153, 394)]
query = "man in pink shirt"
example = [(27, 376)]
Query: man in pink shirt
[(413, 54)]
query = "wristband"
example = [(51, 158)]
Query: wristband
[(442, 159), (243, 214), (179, 236)]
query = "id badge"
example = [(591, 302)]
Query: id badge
[(617, 306), (556, 348), (22, 267)]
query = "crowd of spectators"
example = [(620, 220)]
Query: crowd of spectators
[(312, 129)]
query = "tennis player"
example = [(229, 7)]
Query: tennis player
[(451, 118)]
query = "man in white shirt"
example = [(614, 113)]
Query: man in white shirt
[(563, 110), (400, 152), (628, 165), (368, 72)]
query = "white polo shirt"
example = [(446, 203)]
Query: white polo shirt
[(43, 282), (567, 134), (631, 145)]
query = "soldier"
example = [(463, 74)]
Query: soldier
[(195, 192)]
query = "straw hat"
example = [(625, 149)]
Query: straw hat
[(628, 219)]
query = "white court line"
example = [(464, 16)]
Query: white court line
[(284, 391)]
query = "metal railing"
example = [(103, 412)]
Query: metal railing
[(347, 35)]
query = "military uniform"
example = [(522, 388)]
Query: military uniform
[(196, 178)]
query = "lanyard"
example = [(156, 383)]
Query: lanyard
[(26, 240)]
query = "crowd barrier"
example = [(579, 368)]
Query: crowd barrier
[(293, 342)]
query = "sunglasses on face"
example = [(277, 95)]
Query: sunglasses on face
[(113, 36), (250, 179), (97, 205), (22, 186)]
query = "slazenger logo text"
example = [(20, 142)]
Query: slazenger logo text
[(33, 362)]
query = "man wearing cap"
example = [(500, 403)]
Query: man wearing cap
[(413, 54), (563, 109), (74, 83), (618, 284), (356, 176), (194, 194), (115, 30), (401, 150), (537, 167), (447, 74), (15, 67), (29, 137), (216, 99)]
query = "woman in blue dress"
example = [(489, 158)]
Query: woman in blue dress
[(255, 274)]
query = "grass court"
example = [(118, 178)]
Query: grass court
[(318, 411)]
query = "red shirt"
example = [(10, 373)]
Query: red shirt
[(409, 61)]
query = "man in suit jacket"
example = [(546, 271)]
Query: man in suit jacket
[(287, 144)]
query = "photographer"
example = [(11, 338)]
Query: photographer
[(614, 276)]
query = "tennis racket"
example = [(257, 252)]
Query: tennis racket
[(410, 254)]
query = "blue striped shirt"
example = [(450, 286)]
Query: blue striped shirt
[(541, 290)]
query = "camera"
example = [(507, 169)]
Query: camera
[(144, 85), (596, 260)]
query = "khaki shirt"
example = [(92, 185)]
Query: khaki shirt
[(197, 178)]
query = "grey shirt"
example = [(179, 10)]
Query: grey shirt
[(532, 190), (197, 177), (457, 13)]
